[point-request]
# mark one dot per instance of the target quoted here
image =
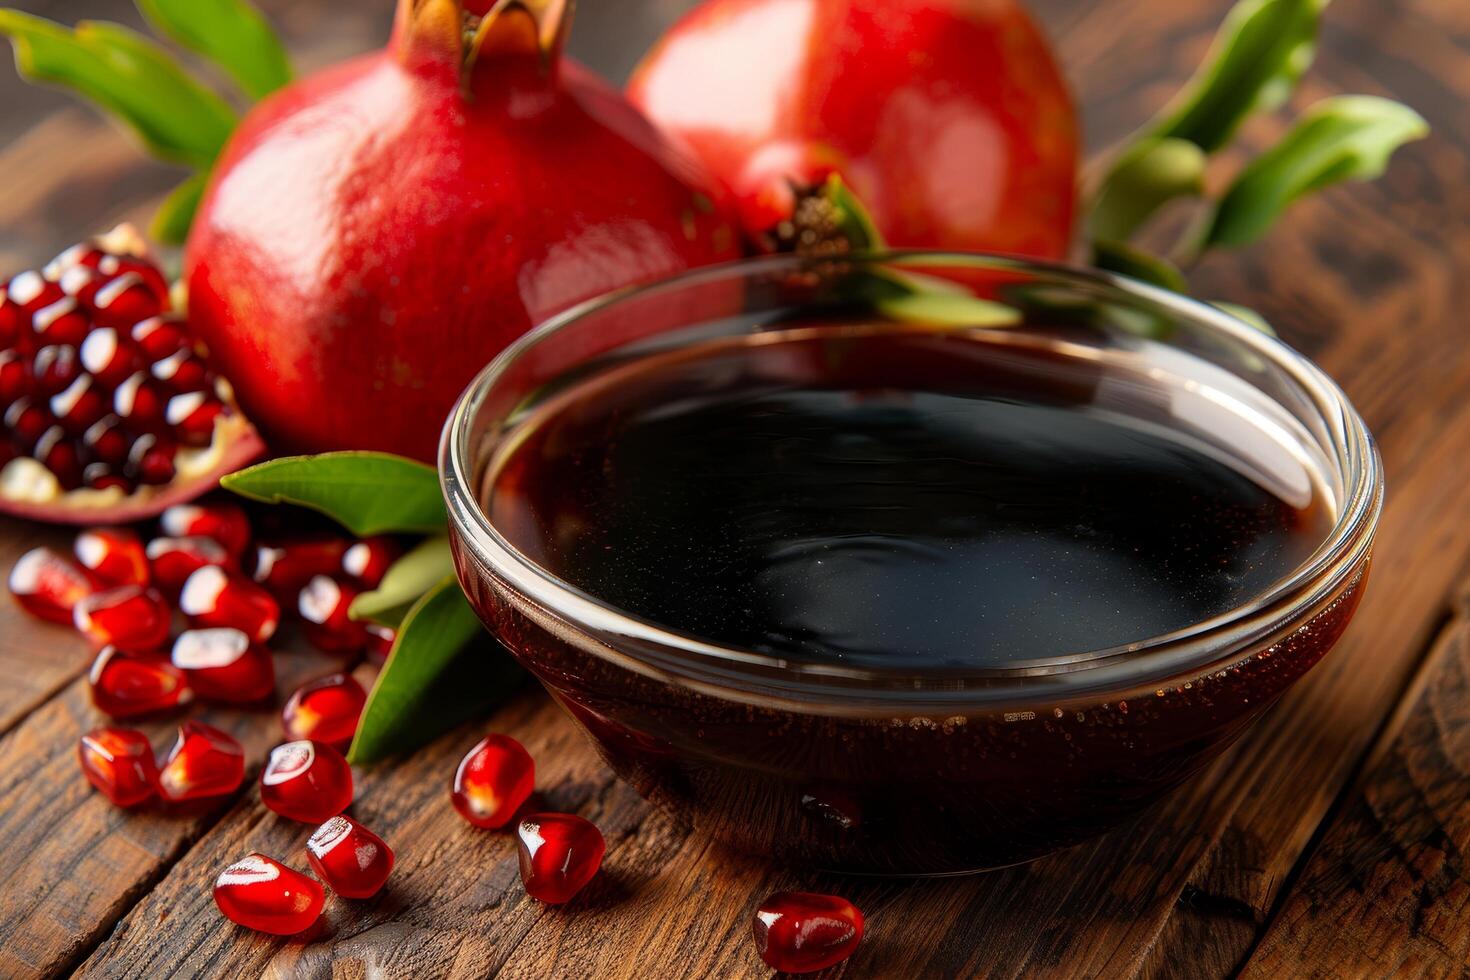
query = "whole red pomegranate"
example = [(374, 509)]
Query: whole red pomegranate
[(375, 233), (948, 119)]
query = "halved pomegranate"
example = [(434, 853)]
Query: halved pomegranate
[(111, 409)]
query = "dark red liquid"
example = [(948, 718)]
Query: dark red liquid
[(916, 503)]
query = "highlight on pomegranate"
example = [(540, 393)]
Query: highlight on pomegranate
[(698, 488)]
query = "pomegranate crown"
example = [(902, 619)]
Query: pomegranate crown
[(464, 35)]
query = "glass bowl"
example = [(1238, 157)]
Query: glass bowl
[(884, 769)]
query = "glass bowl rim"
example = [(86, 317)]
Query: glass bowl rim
[(710, 664)]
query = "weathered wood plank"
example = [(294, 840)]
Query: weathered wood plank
[(1386, 890)]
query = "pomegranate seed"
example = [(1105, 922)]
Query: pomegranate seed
[(204, 762), (27, 422), (54, 368), (559, 852), (263, 894), (109, 357), (352, 860), (139, 403), (799, 932), (323, 606), (122, 300), (10, 316), (159, 337), (212, 596), (493, 781), (380, 642), (368, 560), (126, 685), (31, 291), (61, 322), (110, 265), (223, 665), (325, 710), (172, 560), (151, 460), (182, 370), (306, 781), (224, 522), (16, 380), (191, 417), (107, 442), (100, 476), (60, 456), (112, 556), (286, 568), (47, 585), (80, 406), (129, 617), (119, 762)]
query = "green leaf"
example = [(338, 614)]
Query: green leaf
[(1129, 260), (855, 221), (171, 221), (1259, 53), (947, 309), (128, 76), (1149, 174), (1349, 137), (435, 678), (1246, 315), (409, 578), (231, 33), (367, 493)]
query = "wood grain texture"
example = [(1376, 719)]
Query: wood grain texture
[(1370, 281)]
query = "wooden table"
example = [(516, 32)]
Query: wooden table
[(1331, 842)]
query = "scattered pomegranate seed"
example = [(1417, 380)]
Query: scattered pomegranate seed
[(263, 894), (380, 642), (212, 596), (493, 781), (129, 617), (172, 560), (126, 685), (323, 606), (285, 568), (112, 556), (367, 561), (223, 665), (203, 762), (800, 932), (325, 710), (47, 585), (352, 860), (306, 781), (559, 852), (119, 762), (224, 522)]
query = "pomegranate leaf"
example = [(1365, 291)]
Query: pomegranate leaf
[(172, 219), (130, 77), (1246, 315), (428, 564), (1147, 175), (437, 676), (1349, 137), (1143, 265), (367, 493), (853, 217), (231, 33)]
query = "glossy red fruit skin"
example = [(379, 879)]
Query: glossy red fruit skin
[(323, 605), (48, 586), (325, 710), (112, 556), (367, 560), (801, 932), (222, 664), (260, 893), (493, 781), (950, 121), (284, 567), (306, 781), (126, 685), (203, 762), (172, 560), (559, 853), (214, 597), (543, 185), (129, 617), (119, 763), (222, 521), (352, 860)]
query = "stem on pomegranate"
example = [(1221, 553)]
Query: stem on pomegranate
[(428, 35), (522, 27)]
